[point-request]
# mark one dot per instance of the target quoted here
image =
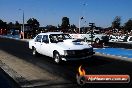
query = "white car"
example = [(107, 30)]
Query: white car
[(90, 37), (60, 47)]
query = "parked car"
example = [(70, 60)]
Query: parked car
[(60, 47)]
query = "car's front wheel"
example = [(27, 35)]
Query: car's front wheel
[(34, 52), (57, 57)]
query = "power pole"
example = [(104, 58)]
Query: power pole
[(92, 25), (23, 25)]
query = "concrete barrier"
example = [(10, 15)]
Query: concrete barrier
[(119, 45)]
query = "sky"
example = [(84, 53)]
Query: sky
[(51, 12)]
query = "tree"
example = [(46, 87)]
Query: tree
[(33, 27), (72, 29), (73, 26), (116, 23), (10, 25), (65, 24), (128, 25), (17, 23), (33, 23), (17, 26), (51, 28), (3, 24)]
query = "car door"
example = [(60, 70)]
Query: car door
[(45, 46), (38, 43)]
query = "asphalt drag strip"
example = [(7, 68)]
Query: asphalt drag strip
[(41, 72)]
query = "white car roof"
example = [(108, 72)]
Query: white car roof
[(48, 33)]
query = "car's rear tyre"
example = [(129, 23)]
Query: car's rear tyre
[(34, 52), (57, 58)]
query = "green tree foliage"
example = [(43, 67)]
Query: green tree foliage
[(33, 27), (73, 26), (17, 25), (116, 23), (128, 25), (33, 23), (51, 28), (65, 24), (10, 25), (3, 24)]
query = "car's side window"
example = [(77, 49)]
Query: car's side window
[(45, 39), (38, 38)]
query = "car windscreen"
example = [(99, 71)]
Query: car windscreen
[(54, 38)]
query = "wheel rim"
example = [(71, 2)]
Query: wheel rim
[(34, 51), (57, 58)]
